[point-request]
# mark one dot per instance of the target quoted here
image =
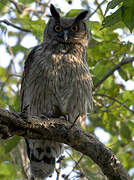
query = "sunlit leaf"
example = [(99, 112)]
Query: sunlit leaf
[(112, 19), (26, 1), (128, 14), (2, 73), (7, 171), (36, 27), (112, 4), (3, 6), (73, 12), (125, 131), (12, 143)]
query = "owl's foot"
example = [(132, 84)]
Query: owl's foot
[(19, 115), (64, 117), (16, 114), (50, 115), (4, 132), (44, 116), (23, 114)]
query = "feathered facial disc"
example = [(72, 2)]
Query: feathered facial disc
[(67, 30)]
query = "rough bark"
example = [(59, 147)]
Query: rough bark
[(54, 129)]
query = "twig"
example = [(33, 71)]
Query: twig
[(118, 66), (13, 56), (76, 165), (13, 25), (76, 119), (114, 99), (26, 9), (33, 10), (96, 9), (60, 161), (16, 75), (17, 6), (99, 8)]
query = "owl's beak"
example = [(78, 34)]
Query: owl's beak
[(66, 35)]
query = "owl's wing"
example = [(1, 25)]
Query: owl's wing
[(30, 59)]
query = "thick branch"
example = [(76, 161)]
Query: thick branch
[(118, 66), (57, 130)]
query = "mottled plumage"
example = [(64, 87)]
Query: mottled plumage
[(56, 82)]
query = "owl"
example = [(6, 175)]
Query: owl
[(56, 83)]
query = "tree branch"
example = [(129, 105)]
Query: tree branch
[(54, 129), (99, 5), (20, 10), (13, 25), (116, 100), (118, 66)]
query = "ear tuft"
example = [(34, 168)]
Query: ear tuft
[(54, 12), (82, 15)]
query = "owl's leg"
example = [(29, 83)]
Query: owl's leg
[(42, 155)]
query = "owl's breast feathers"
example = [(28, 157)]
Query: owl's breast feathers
[(58, 77)]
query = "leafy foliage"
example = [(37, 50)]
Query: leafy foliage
[(113, 100), (124, 13)]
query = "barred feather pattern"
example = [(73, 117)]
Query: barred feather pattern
[(56, 82)]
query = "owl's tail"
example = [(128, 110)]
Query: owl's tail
[(42, 155)]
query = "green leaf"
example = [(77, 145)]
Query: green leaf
[(109, 84), (15, 104), (127, 72), (36, 27), (73, 12), (18, 48), (8, 171), (112, 19), (2, 74), (26, 1), (112, 4), (3, 156), (3, 5), (11, 143), (128, 97), (127, 14), (125, 131)]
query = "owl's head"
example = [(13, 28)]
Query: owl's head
[(66, 30)]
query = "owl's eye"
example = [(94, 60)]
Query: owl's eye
[(58, 28), (74, 28)]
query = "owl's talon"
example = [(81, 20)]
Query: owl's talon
[(16, 114), (44, 116), (24, 113), (64, 117), (4, 132)]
